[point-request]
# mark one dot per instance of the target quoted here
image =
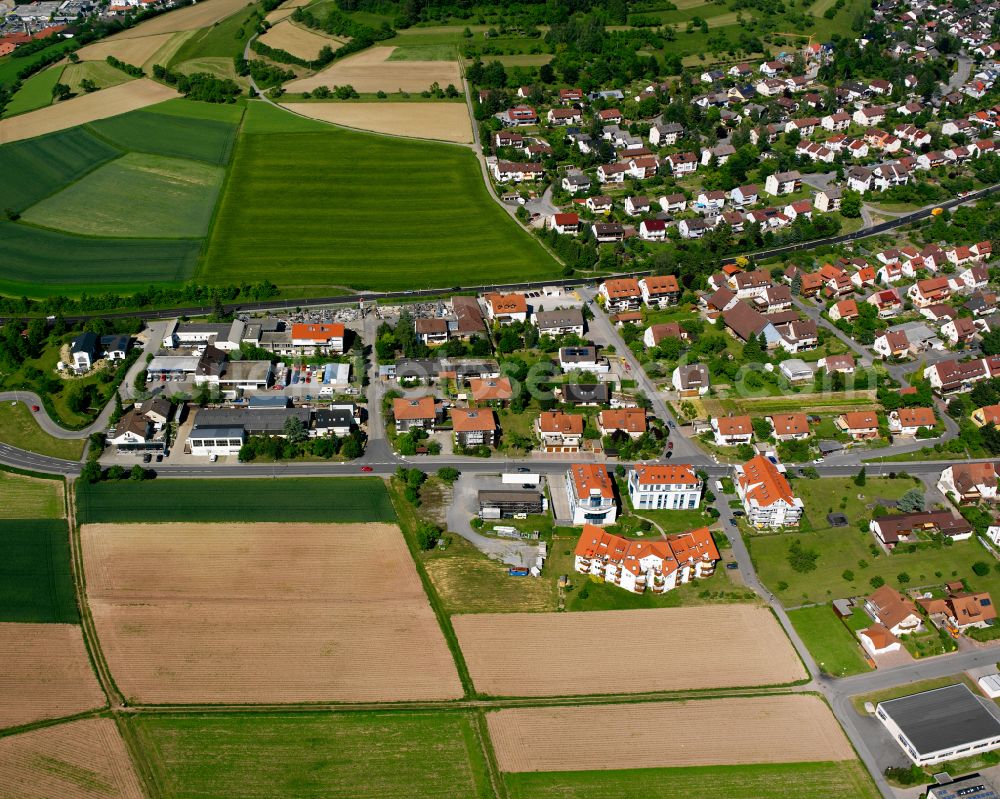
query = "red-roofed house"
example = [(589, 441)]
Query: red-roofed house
[(591, 494), (311, 339), (767, 497), (859, 425), (664, 487), (731, 431), (907, 421)]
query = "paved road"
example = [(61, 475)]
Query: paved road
[(961, 75)]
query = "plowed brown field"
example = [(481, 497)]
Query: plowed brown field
[(442, 121), (79, 760), (264, 613), (44, 674), (368, 71), (626, 651), (793, 728)]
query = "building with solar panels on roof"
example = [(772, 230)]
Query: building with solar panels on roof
[(944, 724), (971, 786)]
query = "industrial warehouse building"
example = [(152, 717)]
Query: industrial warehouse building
[(944, 724), (505, 504)]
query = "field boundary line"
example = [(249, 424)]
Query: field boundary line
[(489, 753), (443, 619), (91, 640), (18, 729), (139, 753)]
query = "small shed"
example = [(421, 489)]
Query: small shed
[(843, 608), (836, 520)]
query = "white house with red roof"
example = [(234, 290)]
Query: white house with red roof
[(673, 486), (312, 339), (766, 495), (591, 494)]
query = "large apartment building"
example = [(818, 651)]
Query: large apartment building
[(591, 494), (637, 565), (664, 487), (767, 497)]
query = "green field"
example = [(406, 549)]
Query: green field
[(100, 72), (26, 497), (35, 92), (363, 211), (163, 132), (10, 66), (798, 780), (136, 196), (18, 428), (306, 499), (832, 645), (35, 168), (225, 38), (424, 52), (36, 582), (315, 756)]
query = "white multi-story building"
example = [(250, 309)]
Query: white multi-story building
[(637, 565), (664, 487), (591, 494), (767, 497)]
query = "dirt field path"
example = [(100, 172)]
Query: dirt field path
[(369, 71), (628, 651), (80, 110), (439, 121), (79, 760), (776, 729)]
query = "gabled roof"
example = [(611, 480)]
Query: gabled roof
[(764, 484), (787, 424)]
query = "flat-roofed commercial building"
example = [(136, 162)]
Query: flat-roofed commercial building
[(505, 504), (944, 724)]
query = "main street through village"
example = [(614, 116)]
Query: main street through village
[(868, 737)]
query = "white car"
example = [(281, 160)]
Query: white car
[(818, 460)]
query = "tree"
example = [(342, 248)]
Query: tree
[(876, 582), (116, 472), (859, 478), (902, 578), (912, 501), (294, 430), (351, 448), (91, 472), (427, 535), (980, 569), (61, 91), (850, 205), (137, 473), (448, 474), (800, 559)]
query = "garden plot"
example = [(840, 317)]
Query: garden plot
[(773, 729), (370, 71), (611, 652), (264, 613), (46, 674), (442, 121), (81, 760)]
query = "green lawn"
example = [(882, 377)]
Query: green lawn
[(10, 66), (810, 780), (162, 131), (35, 92), (18, 428), (833, 646), (26, 497), (136, 196), (315, 756), (35, 168), (36, 582), (363, 211), (840, 495), (424, 52), (305, 499)]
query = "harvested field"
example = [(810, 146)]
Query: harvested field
[(102, 74), (203, 15), (131, 50), (80, 110), (46, 674), (250, 613), (26, 497), (369, 71), (78, 760), (285, 10), (300, 42), (442, 121), (742, 645), (792, 728)]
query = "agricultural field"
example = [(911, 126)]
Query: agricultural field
[(101, 73), (255, 613), (787, 728), (843, 780), (203, 15), (27, 497), (85, 108), (293, 187), (18, 428), (285, 10), (315, 756), (441, 121), (301, 42), (84, 759), (372, 70), (555, 654), (136, 196), (225, 39), (46, 674), (36, 583), (130, 49), (35, 92), (832, 645), (309, 499)]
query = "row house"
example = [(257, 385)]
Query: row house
[(912, 135), (621, 294), (635, 566), (814, 152), (513, 172), (951, 377), (768, 499)]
